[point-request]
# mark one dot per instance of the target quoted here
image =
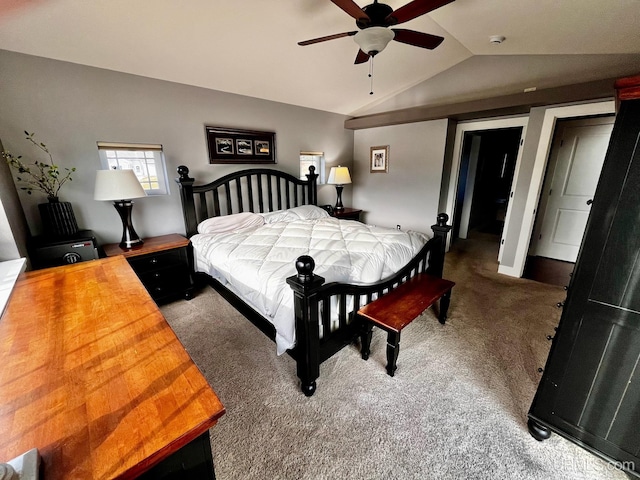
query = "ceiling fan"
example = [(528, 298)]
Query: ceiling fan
[(374, 21)]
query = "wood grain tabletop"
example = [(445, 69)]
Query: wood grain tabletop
[(94, 377)]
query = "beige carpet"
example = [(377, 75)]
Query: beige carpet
[(456, 407)]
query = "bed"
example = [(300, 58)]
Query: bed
[(304, 293)]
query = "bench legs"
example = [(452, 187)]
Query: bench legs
[(365, 338), (393, 345), (444, 307), (393, 348)]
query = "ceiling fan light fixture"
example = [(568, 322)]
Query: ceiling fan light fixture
[(373, 40)]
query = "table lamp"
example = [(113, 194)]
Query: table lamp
[(121, 186), (339, 176)]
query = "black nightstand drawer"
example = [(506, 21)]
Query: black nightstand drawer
[(163, 273), (165, 280), (159, 260)]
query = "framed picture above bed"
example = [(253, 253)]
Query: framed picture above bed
[(379, 159), (240, 146)]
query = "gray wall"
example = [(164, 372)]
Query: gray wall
[(71, 107), (409, 193)]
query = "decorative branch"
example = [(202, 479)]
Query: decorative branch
[(41, 176)]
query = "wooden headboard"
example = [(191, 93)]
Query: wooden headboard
[(255, 190)]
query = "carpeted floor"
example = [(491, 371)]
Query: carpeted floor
[(456, 407)]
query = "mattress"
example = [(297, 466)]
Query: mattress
[(254, 260)]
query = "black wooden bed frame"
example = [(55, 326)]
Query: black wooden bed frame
[(263, 190)]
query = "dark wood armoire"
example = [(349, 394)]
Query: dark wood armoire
[(590, 389)]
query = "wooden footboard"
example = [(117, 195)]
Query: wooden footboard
[(332, 307), (324, 312)]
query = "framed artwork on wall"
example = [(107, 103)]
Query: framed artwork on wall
[(379, 159), (240, 146)]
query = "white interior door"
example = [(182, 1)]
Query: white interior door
[(576, 159)]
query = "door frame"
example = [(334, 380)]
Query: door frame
[(482, 125), (467, 201), (551, 115)]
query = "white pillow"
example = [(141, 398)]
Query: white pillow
[(303, 212), (309, 212), (277, 216), (230, 223)]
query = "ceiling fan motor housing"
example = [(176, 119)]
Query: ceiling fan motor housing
[(378, 13)]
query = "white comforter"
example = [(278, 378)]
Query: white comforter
[(255, 261)]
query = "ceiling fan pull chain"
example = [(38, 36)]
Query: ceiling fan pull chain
[(371, 74)]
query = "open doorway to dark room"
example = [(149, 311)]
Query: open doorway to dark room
[(487, 168)]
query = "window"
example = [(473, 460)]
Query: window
[(312, 158), (147, 162)]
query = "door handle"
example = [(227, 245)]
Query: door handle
[(590, 201)]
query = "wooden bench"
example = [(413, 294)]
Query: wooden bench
[(397, 309)]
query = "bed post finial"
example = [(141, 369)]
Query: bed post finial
[(441, 219), (305, 265), (183, 171)]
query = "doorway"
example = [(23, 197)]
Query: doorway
[(577, 153), (519, 241), (487, 168), (496, 212)]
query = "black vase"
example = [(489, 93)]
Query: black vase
[(58, 219)]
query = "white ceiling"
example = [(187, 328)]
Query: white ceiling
[(249, 47)]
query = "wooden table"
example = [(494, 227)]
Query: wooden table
[(93, 376)]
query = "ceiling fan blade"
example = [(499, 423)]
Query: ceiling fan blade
[(352, 9), (417, 39), (414, 9), (328, 37), (361, 57)]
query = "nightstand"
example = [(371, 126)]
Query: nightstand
[(347, 214), (164, 265)]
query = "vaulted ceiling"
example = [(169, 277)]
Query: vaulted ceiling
[(249, 47)]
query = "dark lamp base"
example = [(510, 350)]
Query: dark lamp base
[(130, 238), (339, 205), (130, 243)]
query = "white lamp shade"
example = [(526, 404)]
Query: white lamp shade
[(339, 176), (373, 40), (117, 185)]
